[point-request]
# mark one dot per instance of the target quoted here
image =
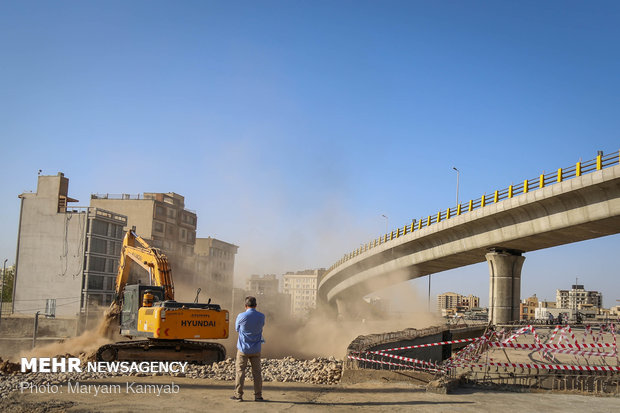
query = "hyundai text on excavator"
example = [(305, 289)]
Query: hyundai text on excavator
[(150, 311)]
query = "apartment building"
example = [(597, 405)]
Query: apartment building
[(214, 267), (450, 300), (274, 304), (262, 284), (164, 222), (67, 257), (159, 218), (302, 287), (577, 297), (527, 308)]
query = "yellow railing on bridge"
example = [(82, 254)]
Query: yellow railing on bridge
[(528, 185)]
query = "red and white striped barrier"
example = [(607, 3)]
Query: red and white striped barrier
[(522, 331), (551, 346), (403, 358), (562, 367), (543, 352), (469, 356), (379, 361), (441, 343), (564, 332), (408, 366), (604, 328), (557, 348)]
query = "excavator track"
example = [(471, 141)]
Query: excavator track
[(162, 350)]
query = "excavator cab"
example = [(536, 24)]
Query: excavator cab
[(133, 297)]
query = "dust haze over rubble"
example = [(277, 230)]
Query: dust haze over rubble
[(86, 344), (322, 231), (319, 336), (323, 336)]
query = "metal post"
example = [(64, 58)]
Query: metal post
[(429, 293), (458, 173), (2, 290), (36, 327)]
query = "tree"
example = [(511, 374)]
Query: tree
[(7, 287)]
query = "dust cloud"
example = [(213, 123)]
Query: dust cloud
[(319, 336), (86, 344), (322, 336)]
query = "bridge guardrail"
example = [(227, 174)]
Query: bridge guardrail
[(602, 161)]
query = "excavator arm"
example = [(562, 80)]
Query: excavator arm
[(136, 249), (167, 324)]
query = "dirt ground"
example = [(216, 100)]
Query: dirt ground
[(198, 395)]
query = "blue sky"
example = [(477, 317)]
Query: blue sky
[(292, 126)]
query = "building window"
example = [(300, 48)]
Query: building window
[(100, 228), (171, 231), (158, 227), (111, 266), (115, 248), (160, 211), (116, 231), (95, 282), (98, 245), (96, 264)]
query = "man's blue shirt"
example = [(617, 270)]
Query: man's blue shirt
[(249, 325)]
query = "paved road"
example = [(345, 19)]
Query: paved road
[(199, 395)]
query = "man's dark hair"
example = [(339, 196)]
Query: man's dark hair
[(250, 301)]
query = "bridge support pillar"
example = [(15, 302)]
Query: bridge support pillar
[(504, 285), (341, 307)]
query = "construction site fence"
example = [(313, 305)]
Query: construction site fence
[(590, 382), (470, 364)]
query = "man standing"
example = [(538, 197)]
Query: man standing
[(249, 325)]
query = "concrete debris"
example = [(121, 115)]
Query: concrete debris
[(288, 369), (442, 386), (7, 367)]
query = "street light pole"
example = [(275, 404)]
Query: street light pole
[(457, 184), (386, 223), (429, 292)]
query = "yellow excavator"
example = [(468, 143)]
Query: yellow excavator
[(150, 311)]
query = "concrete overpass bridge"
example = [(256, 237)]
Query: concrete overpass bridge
[(569, 205)]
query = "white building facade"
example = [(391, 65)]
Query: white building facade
[(302, 287), (577, 297)]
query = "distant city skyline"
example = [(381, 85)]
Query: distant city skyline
[(292, 129)]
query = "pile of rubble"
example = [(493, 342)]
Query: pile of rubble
[(288, 369)]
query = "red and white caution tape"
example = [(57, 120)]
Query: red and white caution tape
[(545, 366), (522, 331), (408, 366), (378, 361), (469, 356), (403, 358), (543, 352), (551, 346), (556, 348), (555, 331), (441, 343)]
